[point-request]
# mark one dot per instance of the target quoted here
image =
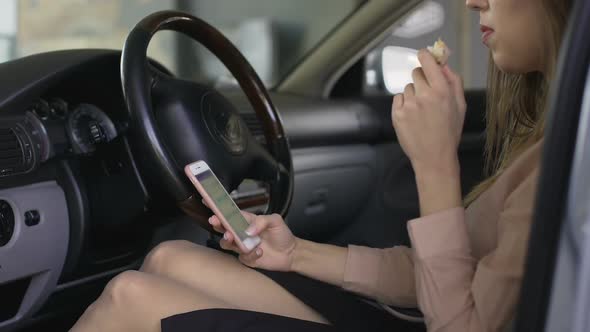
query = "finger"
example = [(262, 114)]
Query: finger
[(397, 108), (398, 102), (228, 236), (258, 225), (409, 91), (225, 245), (251, 257), (261, 223), (216, 223), (229, 245), (249, 216), (456, 82), (432, 70), (420, 81)]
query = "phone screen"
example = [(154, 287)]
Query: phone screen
[(224, 203)]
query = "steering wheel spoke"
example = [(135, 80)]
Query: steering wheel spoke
[(264, 166), (269, 169)]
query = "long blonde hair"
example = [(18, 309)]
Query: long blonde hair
[(517, 103)]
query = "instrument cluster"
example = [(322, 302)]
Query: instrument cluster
[(52, 127)]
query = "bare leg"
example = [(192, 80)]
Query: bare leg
[(136, 301), (222, 276)]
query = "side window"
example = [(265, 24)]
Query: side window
[(387, 68), (7, 29)]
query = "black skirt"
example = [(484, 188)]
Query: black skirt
[(345, 311)]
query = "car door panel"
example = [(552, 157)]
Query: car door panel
[(332, 185)]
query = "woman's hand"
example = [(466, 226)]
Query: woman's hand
[(277, 246), (428, 117), (428, 120)]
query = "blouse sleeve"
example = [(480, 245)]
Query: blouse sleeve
[(386, 275), (457, 293)]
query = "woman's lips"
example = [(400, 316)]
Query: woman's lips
[(486, 33)]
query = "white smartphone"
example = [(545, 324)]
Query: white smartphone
[(221, 204)]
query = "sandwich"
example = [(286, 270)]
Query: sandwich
[(440, 51)]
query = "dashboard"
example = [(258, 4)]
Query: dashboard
[(72, 201)]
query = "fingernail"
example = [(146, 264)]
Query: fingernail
[(251, 230), (258, 252), (211, 220), (226, 236)]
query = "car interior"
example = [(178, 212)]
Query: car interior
[(95, 130)]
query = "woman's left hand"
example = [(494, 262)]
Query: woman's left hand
[(428, 117)]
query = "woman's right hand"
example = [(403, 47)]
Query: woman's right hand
[(276, 249)]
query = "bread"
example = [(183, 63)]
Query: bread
[(440, 51)]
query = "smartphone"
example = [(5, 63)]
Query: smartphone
[(221, 203)]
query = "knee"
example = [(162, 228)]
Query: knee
[(130, 289), (90, 320), (126, 289), (164, 255)]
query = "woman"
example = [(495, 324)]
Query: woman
[(465, 266)]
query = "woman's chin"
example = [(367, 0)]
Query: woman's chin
[(505, 64)]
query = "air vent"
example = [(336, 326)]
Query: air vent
[(11, 153), (254, 126), (6, 222)]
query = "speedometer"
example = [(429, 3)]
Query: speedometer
[(89, 126)]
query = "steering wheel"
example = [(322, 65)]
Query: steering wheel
[(174, 122)]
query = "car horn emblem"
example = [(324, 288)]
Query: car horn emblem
[(225, 126)]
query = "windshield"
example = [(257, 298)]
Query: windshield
[(274, 35)]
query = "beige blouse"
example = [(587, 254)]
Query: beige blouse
[(465, 266)]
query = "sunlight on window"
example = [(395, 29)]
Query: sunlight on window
[(46, 25), (429, 17), (273, 35), (7, 29)]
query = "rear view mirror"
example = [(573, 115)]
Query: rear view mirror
[(397, 64)]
